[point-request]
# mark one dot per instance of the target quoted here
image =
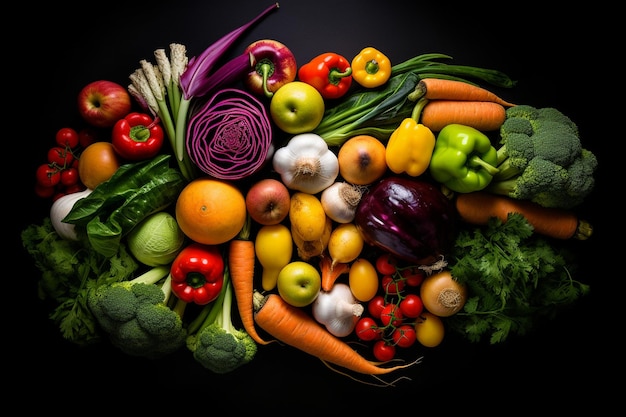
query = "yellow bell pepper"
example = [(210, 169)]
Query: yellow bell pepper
[(410, 148), (371, 68)]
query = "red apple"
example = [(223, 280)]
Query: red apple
[(268, 201), (102, 103)]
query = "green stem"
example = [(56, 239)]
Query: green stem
[(476, 161)]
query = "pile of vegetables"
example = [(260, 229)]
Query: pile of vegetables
[(462, 234)]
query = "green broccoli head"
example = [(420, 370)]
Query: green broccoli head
[(135, 316), (213, 339), (556, 142), (542, 159), (222, 351)]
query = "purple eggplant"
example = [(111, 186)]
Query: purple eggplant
[(409, 218)]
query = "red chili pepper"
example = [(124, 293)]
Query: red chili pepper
[(137, 136), (198, 273), (329, 73)]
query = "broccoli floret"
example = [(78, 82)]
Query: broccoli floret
[(136, 317), (542, 159), (213, 339)]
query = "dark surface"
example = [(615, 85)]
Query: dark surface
[(554, 364)]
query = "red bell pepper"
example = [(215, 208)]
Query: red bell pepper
[(329, 73), (198, 273), (137, 136)]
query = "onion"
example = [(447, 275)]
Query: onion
[(230, 135)]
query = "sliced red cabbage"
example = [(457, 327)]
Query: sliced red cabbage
[(229, 135)]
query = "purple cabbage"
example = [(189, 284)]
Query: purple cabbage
[(230, 135), (410, 218)]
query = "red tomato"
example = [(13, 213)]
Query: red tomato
[(375, 306), (391, 314), (47, 176), (367, 329), (67, 137), (391, 286), (404, 336), (413, 276), (60, 156), (386, 264), (384, 351), (43, 191), (87, 136), (69, 176), (74, 188), (411, 306)]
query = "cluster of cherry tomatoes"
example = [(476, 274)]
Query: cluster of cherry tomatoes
[(393, 316), (59, 175)]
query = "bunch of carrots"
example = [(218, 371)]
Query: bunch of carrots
[(441, 102)]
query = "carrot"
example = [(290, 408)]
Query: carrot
[(443, 89), (241, 262), (481, 115), (294, 327), (330, 273), (477, 207)]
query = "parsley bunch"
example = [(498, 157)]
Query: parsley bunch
[(514, 277), (69, 270)]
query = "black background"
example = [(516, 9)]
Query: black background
[(554, 365)]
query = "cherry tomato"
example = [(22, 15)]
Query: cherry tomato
[(47, 176), (384, 351), (74, 188), (391, 314), (44, 191), (404, 336), (392, 286), (87, 136), (367, 329), (67, 137), (69, 176), (413, 276), (411, 306), (375, 306), (60, 156), (386, 264)]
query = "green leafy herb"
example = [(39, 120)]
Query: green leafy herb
[(69, 270), (514, 277)]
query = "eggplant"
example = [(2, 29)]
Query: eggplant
[(410, 218)]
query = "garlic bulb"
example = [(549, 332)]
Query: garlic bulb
[(337, 309), (306, 163)]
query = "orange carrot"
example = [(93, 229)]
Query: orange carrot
[(294, 327), (330, 273), (481, 115), (477, 207), (241, 262), (442, 89)]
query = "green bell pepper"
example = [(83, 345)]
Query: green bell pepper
[(464, 160)]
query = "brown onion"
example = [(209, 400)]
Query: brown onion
[(229, 136)]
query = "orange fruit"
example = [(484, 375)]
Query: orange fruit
[(97, 163), (362, 160), (210, 211)]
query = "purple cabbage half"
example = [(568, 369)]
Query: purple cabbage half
[(229, 136), (409, 218)]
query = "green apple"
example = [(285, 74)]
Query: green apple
[(299, 283), (297, 107)]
